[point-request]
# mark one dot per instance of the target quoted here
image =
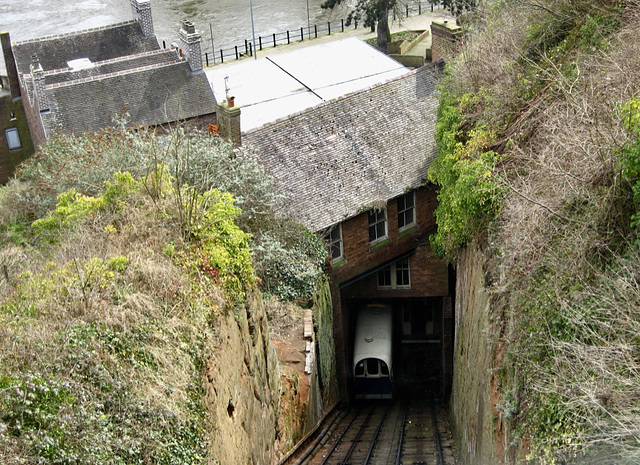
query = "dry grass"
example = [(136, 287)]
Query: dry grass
[(567, 266)]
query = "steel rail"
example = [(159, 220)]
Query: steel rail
[(355, 440), (335, 445), (437, 434), (401, 439), (374, 440)]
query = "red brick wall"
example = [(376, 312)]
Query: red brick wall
[(445, 41), (429, 278), (360, 257)]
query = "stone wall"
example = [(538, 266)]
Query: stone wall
[(473, 394), (243, 391)]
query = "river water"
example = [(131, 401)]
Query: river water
[(229, 20)]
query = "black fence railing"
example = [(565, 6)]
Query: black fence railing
[(212, 57)]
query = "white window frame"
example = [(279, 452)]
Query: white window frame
[(376, 214), (393, 269), (332, 240), (13, 138), (404, 211)]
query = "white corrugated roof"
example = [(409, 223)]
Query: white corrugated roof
[(274, 87)]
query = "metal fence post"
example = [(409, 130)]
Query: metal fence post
[(288, 38), (221, 56), (315, 29), (274, 40), (206, 58), (237, 56), (260, 40)]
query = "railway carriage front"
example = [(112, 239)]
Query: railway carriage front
[(372, 353)]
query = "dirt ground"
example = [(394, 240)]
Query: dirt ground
[(286, 329)]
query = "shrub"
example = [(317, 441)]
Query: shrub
[(469, 193)]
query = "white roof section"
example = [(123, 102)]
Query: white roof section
[(274, 87)]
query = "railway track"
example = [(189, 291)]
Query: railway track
[(381, 433)]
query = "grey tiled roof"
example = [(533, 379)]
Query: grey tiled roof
[(344, 156), (152, 95), (98, 44), (140, 60)]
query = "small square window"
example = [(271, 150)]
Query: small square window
[(377, 226), (13, 138), (406, 211), (395, 276)]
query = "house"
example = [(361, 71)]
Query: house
[(81, 81), (354, 169)]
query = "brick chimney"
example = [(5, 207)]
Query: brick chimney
[(141, 12), (446, 40), (190, 41), (229, 121), (10, 64), (37, 77)]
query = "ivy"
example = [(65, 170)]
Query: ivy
[(469, 191)]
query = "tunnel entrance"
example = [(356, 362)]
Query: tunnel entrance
[(421, 344)]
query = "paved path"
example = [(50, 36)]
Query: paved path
[(413, 23)]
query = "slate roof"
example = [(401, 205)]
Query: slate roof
[(152, 95), (346, 155), (155, 57), (97, 44)]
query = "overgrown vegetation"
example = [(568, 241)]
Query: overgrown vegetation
[(195, 159), (118, 254), (538, 131)]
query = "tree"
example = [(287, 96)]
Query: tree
[(458, 7), (370, 12)]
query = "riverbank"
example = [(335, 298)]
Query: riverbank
[(420, 22)]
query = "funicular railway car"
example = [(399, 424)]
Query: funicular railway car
[(372, 352)]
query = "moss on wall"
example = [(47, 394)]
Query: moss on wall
[(323, 322)]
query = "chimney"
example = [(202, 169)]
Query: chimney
[(190, 41), (229, 121), (141, 12), (37, 76), (10, 64)]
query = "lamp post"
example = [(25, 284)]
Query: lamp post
[(253, 32), (308, 21)]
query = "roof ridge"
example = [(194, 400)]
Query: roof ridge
[(320, 106), (114, 74), (74, 33)]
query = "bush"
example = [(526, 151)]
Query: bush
[(469, 194), (75, 168)]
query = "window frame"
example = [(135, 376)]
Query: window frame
[(377, 221), (392, 271), (402, 213), (333, 241), (8, 138)]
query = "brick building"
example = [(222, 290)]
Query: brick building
[(81, 81), (446, 39), (354, 169), (15, 139)]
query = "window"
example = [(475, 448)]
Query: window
[(377, 226), (406, 211), (334, 240), (372, 368), (13, 138), (395, 276)]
